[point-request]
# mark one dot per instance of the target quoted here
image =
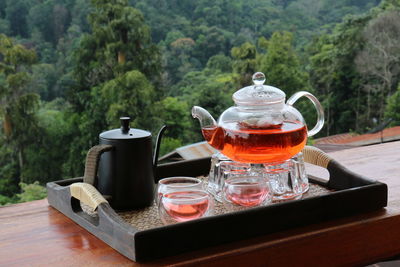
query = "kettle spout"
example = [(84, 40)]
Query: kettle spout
[(205, 118)]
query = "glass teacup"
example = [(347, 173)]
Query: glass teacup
[(177, 183), (183, 199), (247, 191), (182, 206)]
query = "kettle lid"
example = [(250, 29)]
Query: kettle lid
[(258, 94), (125, 132)]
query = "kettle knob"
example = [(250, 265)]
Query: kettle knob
[(125, 124)]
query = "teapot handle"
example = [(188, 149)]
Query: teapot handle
[(317, 105)]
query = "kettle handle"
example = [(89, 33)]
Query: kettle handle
[(317, 105), (157, 149), (92, 162)]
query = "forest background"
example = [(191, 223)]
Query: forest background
[(70, 68)]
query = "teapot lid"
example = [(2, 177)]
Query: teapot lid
[(125, 132), (258, 94)]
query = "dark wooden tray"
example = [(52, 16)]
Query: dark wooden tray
[(353, 194)]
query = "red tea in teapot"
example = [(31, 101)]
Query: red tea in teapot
[(258, 145)]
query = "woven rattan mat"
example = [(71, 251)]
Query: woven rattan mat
[(148, 218)]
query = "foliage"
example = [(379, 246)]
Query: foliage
[(16, 12), (73, 67), (8, 171), (6, 200), (17, 104), (379, 60), (244, 63), (119, 42), (393, 108), (128, 94), (219, 63), (113, 66), (53, 144), (31, 192), (334, 76), (175, 114), (169, 144), (282, 66), (341, 75)]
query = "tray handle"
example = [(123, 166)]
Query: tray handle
[(87, 194), (316, 156), (339, 176)]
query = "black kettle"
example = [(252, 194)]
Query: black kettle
[(122, 167)]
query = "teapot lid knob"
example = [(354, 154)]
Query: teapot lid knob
[(258, 78), (258, 94), (125, 124)]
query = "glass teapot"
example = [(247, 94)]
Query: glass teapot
[(261, 127)]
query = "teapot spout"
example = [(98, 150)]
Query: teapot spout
[(205, 118)]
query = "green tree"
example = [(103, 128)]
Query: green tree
[(51, 11), (16, 12), (4, 26), (174, 113), (212, 91), (3, 5), (79, 13), (8, 171), (332, 69), (220, 63), (392, 110), (172, 36), (18, 106), (43, 82), (211, 41), (46, 157), (112, 69), (379, 60), (281, 65), (179, 59), (168, 144), (322, 77), (282, 69), (244, 63), (127, 95), (38, 19), (31, 192), (119, 42)]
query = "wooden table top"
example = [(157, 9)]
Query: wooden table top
[(35, 234)]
